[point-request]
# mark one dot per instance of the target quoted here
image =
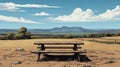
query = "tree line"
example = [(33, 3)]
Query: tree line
[(97, 35), (24, 34)]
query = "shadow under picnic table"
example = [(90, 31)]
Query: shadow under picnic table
[(83, 58)]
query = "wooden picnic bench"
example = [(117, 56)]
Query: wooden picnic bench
[(73, 47)]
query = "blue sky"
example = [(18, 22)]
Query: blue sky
[(45, 14)]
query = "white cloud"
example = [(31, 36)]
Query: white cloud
[(78, 15), (113, 14), (14, 19), (10, 6), (42, 14)]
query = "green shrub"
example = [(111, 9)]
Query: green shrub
[(28, 35), (20, 36), (10, 35), (117, 34), (107, 34), (68, 35), (3, 38)]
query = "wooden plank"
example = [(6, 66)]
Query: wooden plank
[(59, 51), (58, 43), (59, 47), (60, 54)]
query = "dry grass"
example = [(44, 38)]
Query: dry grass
[(115, 37), (99, 53), (28, 44)]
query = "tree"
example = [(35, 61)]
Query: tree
[(22, 30), (23, 34)]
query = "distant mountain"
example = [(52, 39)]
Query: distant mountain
[(8, 30), (63, 30), (70, 29)]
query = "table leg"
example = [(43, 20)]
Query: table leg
[(38, 59), (78, 57)]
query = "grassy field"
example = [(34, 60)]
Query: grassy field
[(28, 44), (107, 40), (100, 54)]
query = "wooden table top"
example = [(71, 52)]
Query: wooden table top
[(57, 43)]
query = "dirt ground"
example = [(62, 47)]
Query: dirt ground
[(100, 54)]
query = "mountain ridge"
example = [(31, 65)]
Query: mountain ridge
[(63, 30)]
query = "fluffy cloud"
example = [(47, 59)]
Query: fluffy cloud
[(14, 19), (9, 6), (78, 15), (113, 14), (42, 14)]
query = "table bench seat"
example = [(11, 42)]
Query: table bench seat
[(59, 47), (65, 51)]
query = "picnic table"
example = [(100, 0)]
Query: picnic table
[(73, 46)]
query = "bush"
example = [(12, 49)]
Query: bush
[(107, 34), (117, 34), (91, 35), (10, 35), (3, 38), (84, 36), (69, 35), (28, 35), (20, 36)]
